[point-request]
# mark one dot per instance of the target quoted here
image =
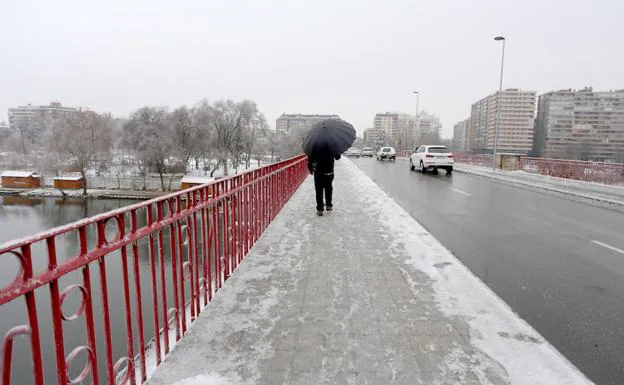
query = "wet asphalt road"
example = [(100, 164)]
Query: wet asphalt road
[(537, 250)]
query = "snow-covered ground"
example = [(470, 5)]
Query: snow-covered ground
[(124, 173), (129, 179), (91, 193)]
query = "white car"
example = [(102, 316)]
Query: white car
[(353, 151), (367, 151), (386, 153), (432, 158)]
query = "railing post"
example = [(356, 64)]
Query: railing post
[(233, 213)]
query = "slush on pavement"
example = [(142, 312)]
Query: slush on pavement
[(363, 296)]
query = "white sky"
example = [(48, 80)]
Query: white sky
[(352, 58)]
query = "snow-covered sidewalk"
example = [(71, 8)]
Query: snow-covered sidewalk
[(593, 191), (363, 295)]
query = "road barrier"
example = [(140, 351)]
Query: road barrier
[(597, 172)]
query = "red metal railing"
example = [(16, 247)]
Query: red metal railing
[(598, 172), (171, 254), (477, 160)]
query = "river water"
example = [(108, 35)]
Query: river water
[(20, 217)]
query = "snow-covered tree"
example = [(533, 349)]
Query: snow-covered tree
[(148, 134), (184, 133), (83, 136), (228, 121)]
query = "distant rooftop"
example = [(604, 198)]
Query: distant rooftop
[(284, 115), (584, 89), (19, 174), (55, 105)]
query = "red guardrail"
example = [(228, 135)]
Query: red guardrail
[(598, 172), (477, 160), (173, 254)]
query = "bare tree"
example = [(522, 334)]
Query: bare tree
[(262, 146), (227, 121), (184, 133), (81, 135), (204, 149), (289, 144), (148, 134), (256, 130)]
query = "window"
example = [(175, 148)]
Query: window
[(438, 150)]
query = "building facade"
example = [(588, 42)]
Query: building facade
[(369, 137), (516, 126), (428, 130), (580, 124), (32, 119), (289, 123), (461, 136), (405, 131), (386, 127)]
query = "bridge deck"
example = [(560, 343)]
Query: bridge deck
[(363, 295)]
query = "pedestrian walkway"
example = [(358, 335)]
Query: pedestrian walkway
[(611, 195), (362, 295)]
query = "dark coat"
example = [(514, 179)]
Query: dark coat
[(322, 162)]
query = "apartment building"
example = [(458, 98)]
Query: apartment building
[(25, 115), (516, 126), (461, 136), (288, 123), (580, 124), (405, 131)]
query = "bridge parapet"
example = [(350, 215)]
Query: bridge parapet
[(137, 277)]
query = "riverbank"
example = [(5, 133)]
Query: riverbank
[(91, 193)]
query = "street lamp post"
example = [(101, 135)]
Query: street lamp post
[(416, 128), (498, 102)]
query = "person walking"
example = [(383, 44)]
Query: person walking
[(321, 165)]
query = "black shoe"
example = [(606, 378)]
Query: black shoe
[(329, 207), (319, 213)]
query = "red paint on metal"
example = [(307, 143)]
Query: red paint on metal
[(152, 251), (7, 351), (596, 172), (209, 237)]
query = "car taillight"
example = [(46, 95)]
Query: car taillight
[(429, 156), (450, 155)]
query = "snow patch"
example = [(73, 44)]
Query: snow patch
[(205, 379), (19, 174), (197, 179)]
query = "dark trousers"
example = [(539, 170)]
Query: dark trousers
[(323, 183)]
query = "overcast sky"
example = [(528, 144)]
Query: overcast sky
[(352, 58)]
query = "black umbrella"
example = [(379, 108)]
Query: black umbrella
[(336, 135)]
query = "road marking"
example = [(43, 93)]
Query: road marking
[(460, 191), (613, 248)]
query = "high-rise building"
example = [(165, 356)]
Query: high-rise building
[(581, 124), (428, 125), (31, 118), (369, 136), (386, 126), (288, 123), (516, 122), (405, 131), (461, 136)]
